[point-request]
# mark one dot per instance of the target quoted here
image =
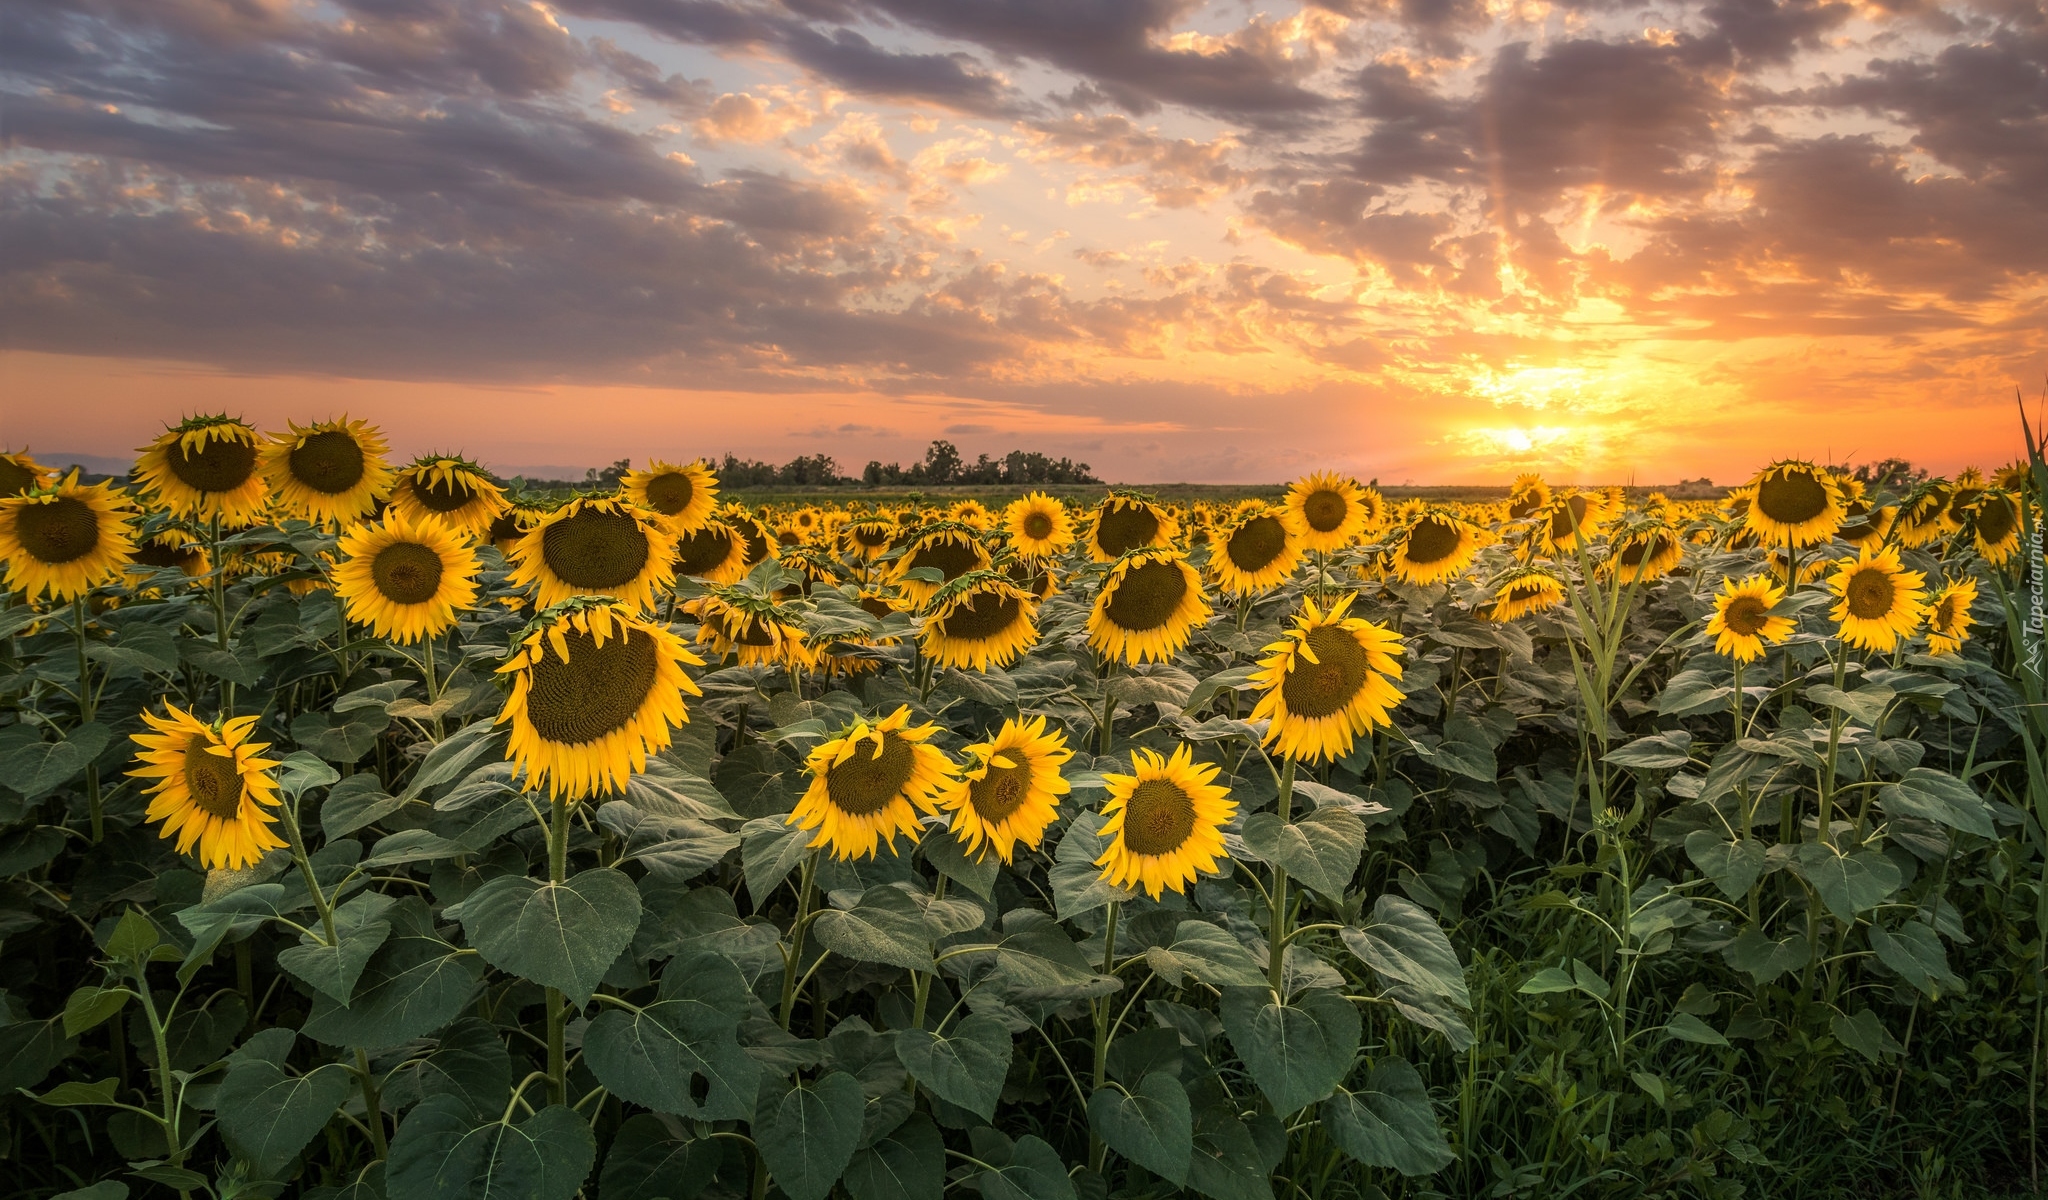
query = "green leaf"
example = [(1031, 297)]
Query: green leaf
[(415, 983), (36, 768), (88, 1007), (1297, 1052), (1210, 954), (1389, 1122), (1403, 942), (442, 1152), (1761, 958), (134, 938), (1464, 751), (74, 1094), (1034, 1172), (1936, 796), (1733, 866), (27, 849), (1151, 1125), (1077, 883), (1914, 952), (1866, 1035), (976, 873), (1320, 851), (1232, 1159), (340, 737), (1036, 960), (807, 1134), (769, 851), (1847, 883), (1864, 705), (1691, 691), (106, 1189), (269, 1115), (965, 1067), (354, 803), (359, 929), (680, 1054), (1657, 752), (885, 927), (301, 770), (1689, 1028), (470, 1063), (651, 1159), (28, 1051), (908, 1164), (452, 756), (559, 935)]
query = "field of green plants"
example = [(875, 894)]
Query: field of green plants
[(370, 830)]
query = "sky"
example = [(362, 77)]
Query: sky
[(1418, 241)]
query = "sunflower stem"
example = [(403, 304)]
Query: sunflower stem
[(1277, 939), (1098, 1150), (806, 890), (557, 1011), (373, 1104), (1105, 729), (86, 711), (305, 864), (1827, 777)]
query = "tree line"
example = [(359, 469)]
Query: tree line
[(943, 464)]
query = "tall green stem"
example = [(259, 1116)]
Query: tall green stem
[(1098, 1151), (1276, 964), (806, 894), (1827, 777), (558, 871), (87, 709)]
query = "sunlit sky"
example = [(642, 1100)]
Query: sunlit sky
[(1424, 241)]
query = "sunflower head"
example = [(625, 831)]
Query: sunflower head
[(595, 546), (1165, 825), (971, 513), (682, 496), (1038, 525), (810, 566), (1150, 604), (1010, 789), (205, 468), (1877, 600), (1437, 547), (595, 690), (213, 788), (512, 524), (950, 548), (1328, 681), (65, 540), (1035, 575), (1255, 551), (1746, 618), (406, 580), (1571, 520), (1793, 502), (1645, 551), (869, 783), (1127, 521), (170, 548), (1863, 525), (1994, 524), (978, 621), (1949, 618), (20, 473), (868, 538), (714, 552), (753, 628), (1924, 514), (454, 491), (329, 472), (757, 540), (1523, 591), (1527, 497), (1329, 512)]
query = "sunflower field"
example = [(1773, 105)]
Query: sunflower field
[(369, 830)]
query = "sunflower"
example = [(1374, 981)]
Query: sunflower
[(978, 621), (1527, 497), (595, 546), (869, 783), (1010, 789), (1570, 521), (1255, 552), (1524, 591), (952, 549), (1743, 619), (756, 631), (64, 540), (205, 468), (1646, 552), (511, 525), (971, 513), (406, 580), (19, 473), (454, 490), (211, 789), (1810, 568), (1879, 602), (757, 539), (812, 565), (1327, 511), (1126, 521), (595, 690), (329, 472), (1436, 547), (868, 538), (1034, 575), (1328, 681), (170, 547), (683, 496), (1038, 525), (1165, 822), (1863, 525), (1968, 486), (1794, 502), (714, 552), (1150, 604), (1924, 515), (2012, 477), (1948, 617), (1995, 526)]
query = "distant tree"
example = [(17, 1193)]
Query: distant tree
[(595, 480), (944, 464), (1892, 472), (941, 463)]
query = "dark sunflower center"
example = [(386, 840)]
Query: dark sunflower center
[(213, 781), (1745, 616), (757, 542), (1792, 497), (756, 632), (444, 496), (876, 607), (1002, 790), (871, 536), (1524, 504), (1325, 510), (703, 550), (865, 784), (1124, 529), (15, 478), (58, 532), (1947, 615), (981, 616), (599, 690), (1870, 593), (1432, 541), (505, 527), (952, 558), (670, 493), (1640, 550), (1960, 502), (1147, 596), (1996, 516), (1032, 579), (595, 549), (156, 554), (1255, 544), (1323, 688), (1158, 818), (1523, 593), (1037, 525), (1569, 516), (220, 465), (407, 572), (330, 462)]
